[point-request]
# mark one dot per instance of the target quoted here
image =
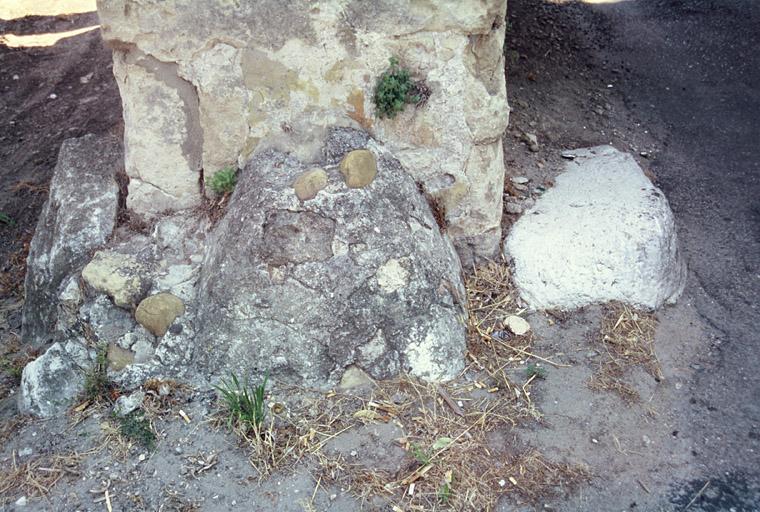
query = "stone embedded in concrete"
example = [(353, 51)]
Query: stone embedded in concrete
[(204, 84), (120, 276), (603, 233), (308, 184), (157, 312), (51, 383), (358, 168), (306, 289), (78, 216)]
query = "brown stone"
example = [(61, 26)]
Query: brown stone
[(157, 312), (308, 184), (359, 168)]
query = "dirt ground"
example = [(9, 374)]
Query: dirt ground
[(629, 453)]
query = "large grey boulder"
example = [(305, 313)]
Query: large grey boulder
[(603, 233), (355, 276), (79, 216)]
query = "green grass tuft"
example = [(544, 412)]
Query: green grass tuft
[(533, 369), (97, 387), (245, 404)]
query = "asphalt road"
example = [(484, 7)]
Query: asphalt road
[(696, 71)]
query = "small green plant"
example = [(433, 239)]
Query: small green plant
[(223, 182), (394, 90), (420, 454), (245, 404), (96, 385), (135, 427), (13, 368), (536, 371), (6, 219), (444, 492)]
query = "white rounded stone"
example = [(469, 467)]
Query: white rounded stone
[(603, 233)]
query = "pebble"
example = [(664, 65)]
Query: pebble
[(25, 452), (532, 141), (15, 77), (178, 450), (53, 96), (513, 208), (520, 180), (21, 502), (519, 326)]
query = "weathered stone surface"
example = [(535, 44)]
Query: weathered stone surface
[(204, 84), (308, 184), (358, 168), (79, 215), (162, 134), (51, 383), (303, 290), (157, 312), (120, 276), (603, 233)]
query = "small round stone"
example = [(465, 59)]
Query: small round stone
[(308, 184), (157, 312), (359, 168)]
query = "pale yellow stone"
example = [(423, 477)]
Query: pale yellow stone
[(119, 358), (308, 184), (117, 275), (354, 377), (359, 168), (157, 312)]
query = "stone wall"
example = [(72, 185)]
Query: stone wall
[(204, 84)]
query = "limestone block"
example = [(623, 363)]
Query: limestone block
[(205, 84)]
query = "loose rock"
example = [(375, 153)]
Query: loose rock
[(603, 232), (50, 383), (518, 325), (125, 404)]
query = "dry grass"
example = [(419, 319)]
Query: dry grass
[(625, 339), (14, 271), (450, 464), (36, 477)]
